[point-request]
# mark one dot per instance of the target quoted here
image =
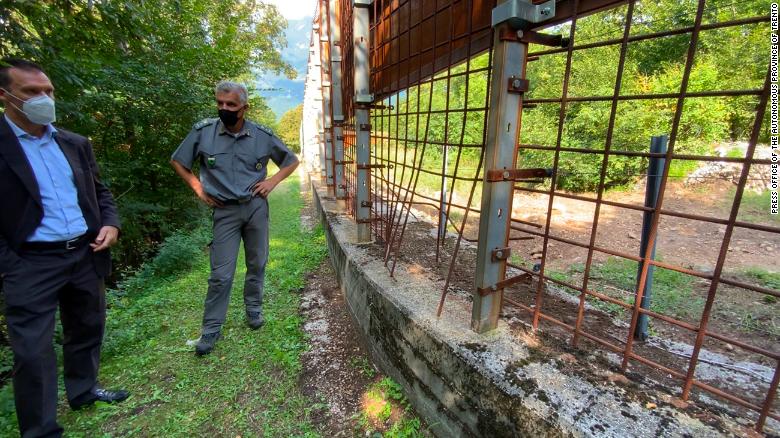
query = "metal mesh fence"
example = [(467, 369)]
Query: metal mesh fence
[(612, 154), (632, 227)]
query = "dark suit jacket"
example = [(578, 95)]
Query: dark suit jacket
[(22, 209)]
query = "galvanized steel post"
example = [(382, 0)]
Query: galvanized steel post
[(363, 98), (316, 65), (655, 171), (337, 134), (443, 198), (327, 110), (507, 85)]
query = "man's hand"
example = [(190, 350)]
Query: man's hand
[(207, 199), (263, 188), (107, 236), (194, 183)]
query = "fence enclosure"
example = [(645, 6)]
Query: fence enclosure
[(525, 128)]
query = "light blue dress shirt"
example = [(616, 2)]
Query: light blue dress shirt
[(62, 216)]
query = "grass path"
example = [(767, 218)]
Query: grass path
[(246, 387)]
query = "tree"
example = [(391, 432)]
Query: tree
[(289, 128), (134, 76), (653, 66)]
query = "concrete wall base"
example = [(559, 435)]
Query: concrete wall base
[(465, 384)]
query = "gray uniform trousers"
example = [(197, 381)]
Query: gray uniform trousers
[(247, 221)]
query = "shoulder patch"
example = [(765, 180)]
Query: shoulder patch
[(203, 123), (265, 129)]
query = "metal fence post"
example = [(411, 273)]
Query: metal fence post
[(337, 137), (315, 64), (654, 173), (327, 110), (363, 98), (443, 197), (503, 128), (507, 85)]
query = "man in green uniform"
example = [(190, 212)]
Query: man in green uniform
[(233, 154)]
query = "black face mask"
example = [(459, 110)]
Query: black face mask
[(229, 118)]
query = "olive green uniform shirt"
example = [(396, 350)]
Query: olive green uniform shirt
[(231, 164)]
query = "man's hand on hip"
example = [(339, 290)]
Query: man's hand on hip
[(264, 188), (195, 185), (208, 199), (107, 236)]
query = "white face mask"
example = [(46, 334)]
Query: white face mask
[(39, 109)]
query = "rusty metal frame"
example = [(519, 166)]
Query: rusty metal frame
[(418, 46), (509, 61), (337, 107), (327, 108)]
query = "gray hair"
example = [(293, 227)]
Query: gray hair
[(228, 86)]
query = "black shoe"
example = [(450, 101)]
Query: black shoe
[(99, 394), (254, 320), (206, 343)]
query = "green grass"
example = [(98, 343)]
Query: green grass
[(672, 292), (248, 386), (763, 277), (519, 260), (735, 152), (386, 412), (679, 169), (759, 313), (754, 207), (363, 365), (430, 184)]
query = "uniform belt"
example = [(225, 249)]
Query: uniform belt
[(236, 201), (65, 245)]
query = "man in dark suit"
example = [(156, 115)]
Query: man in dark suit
[(57, 224)]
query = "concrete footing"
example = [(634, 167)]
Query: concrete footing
[(465, 384)]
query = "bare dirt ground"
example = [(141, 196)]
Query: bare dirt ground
[(332, 374), (740, 313), (337, 369), (685, 242)]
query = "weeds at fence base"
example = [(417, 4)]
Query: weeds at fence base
[(386, 412)]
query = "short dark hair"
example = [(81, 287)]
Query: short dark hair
[(6, 64)]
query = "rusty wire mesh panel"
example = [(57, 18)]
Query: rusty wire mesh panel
[(348, 91), (350, 175), (428, 122), (412, 40), (347, 58), (588, 116)]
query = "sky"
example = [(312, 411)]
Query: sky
[(294, 9), (289, 93)]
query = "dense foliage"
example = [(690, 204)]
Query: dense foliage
[(726, 59), (289, 128), (134, 76), (732, 58)]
